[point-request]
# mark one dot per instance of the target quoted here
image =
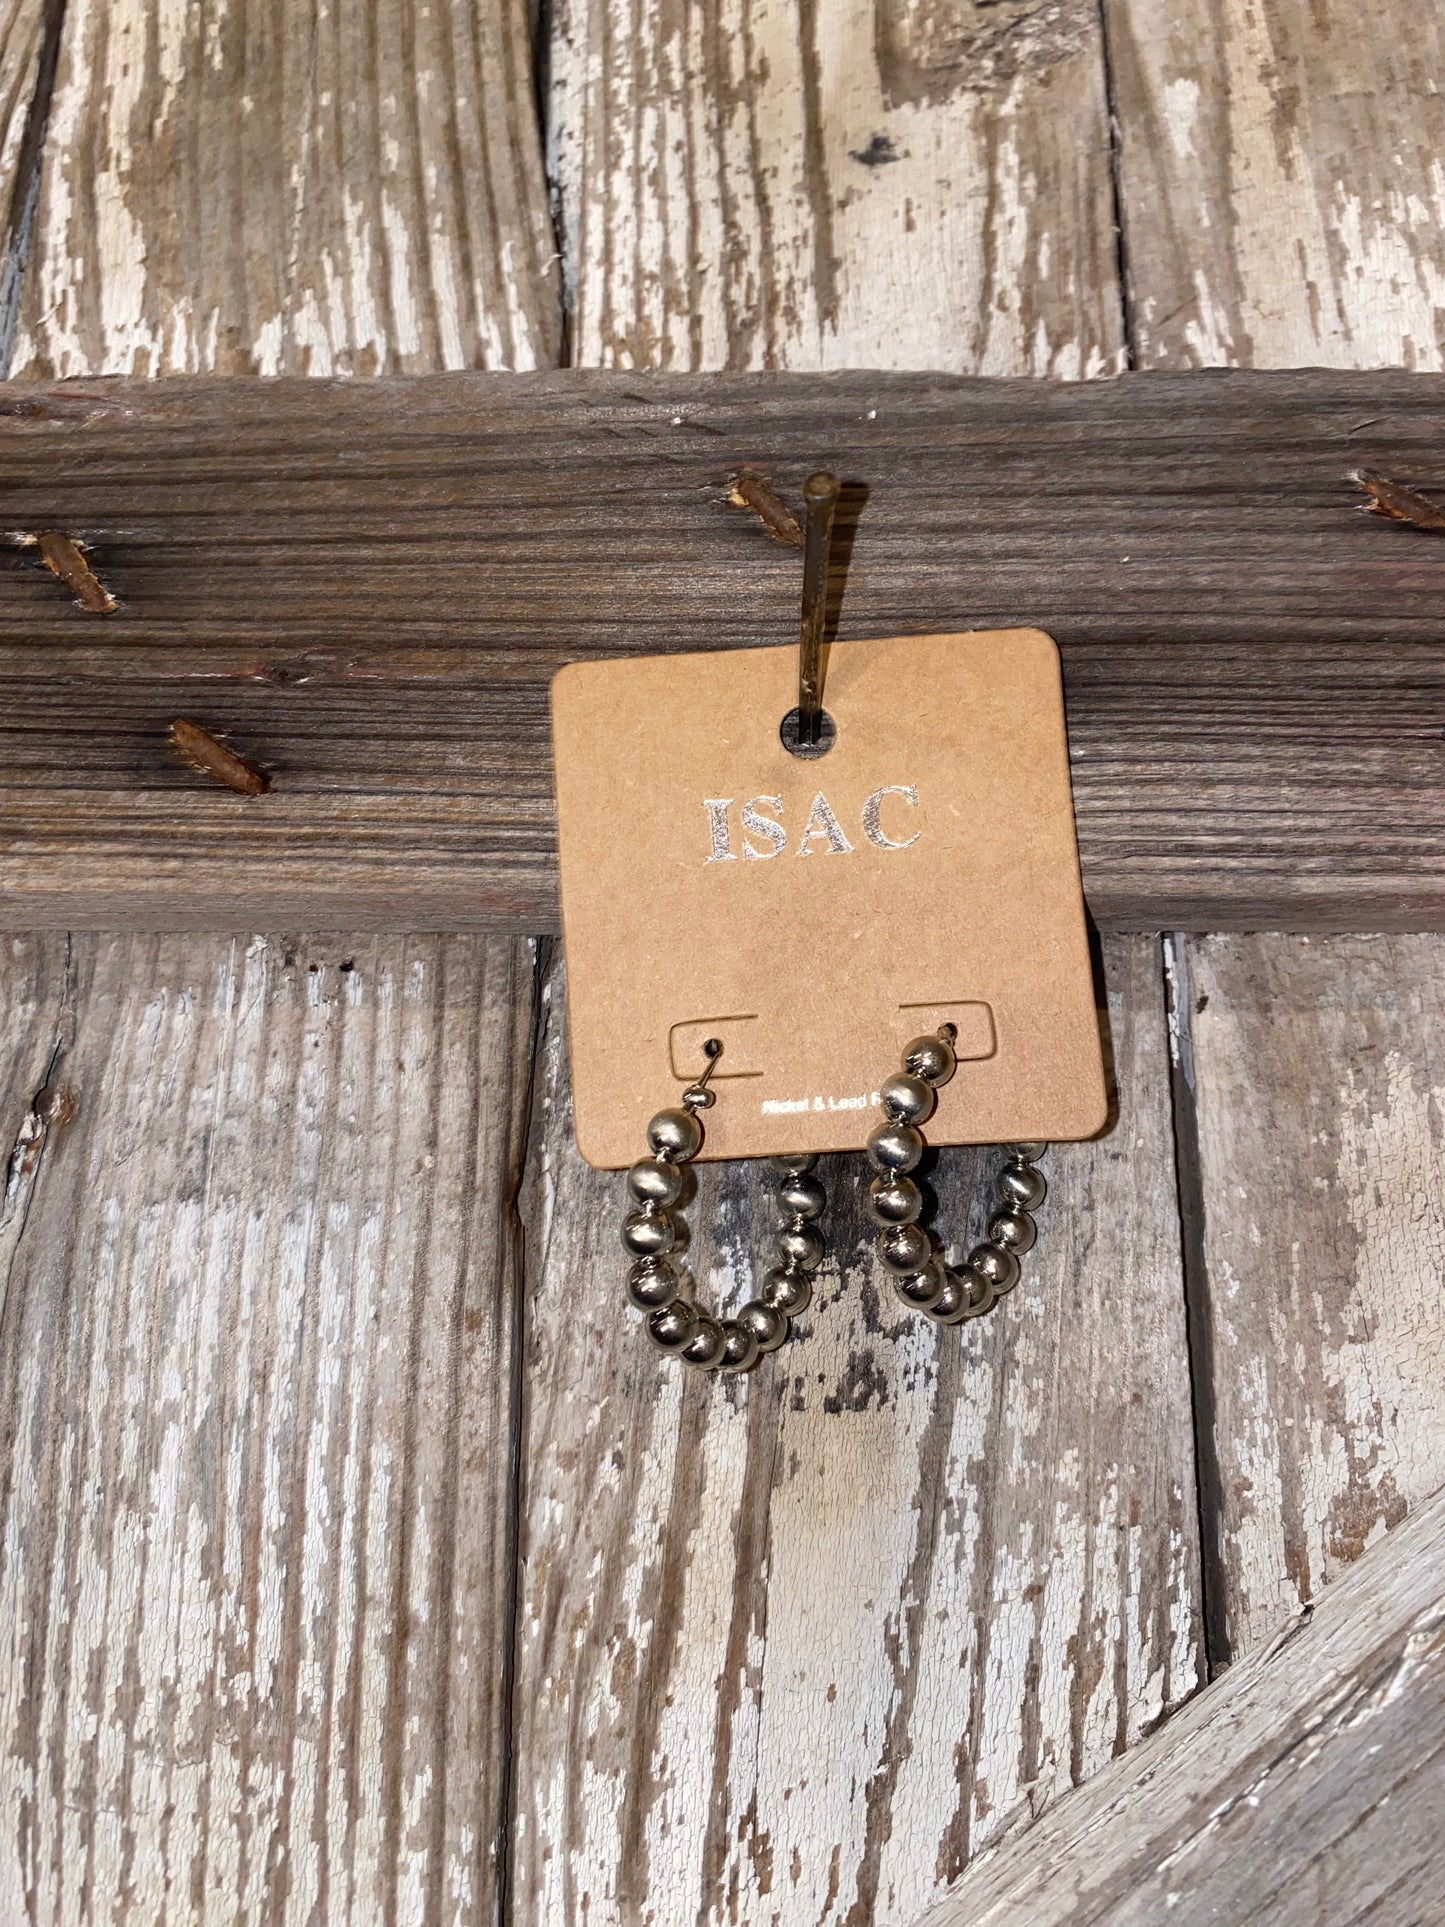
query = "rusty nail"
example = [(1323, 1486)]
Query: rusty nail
[(54, 1106), (752, 492), (201, 750), (1396, 502), (63, 556)]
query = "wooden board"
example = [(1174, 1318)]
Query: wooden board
[(259, 1343), (1319, 1087), (1279, 177), (598, 1795), (789, 1650), (254, 1358), (368, 586), (288, 188), (1304, 1786), (32, 966), (792, 1649), (22, 32), (772, 184), (1317, 1287)]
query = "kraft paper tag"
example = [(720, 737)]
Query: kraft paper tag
[(815, 914)]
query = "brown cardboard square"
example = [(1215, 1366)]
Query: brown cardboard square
[(816, 914)]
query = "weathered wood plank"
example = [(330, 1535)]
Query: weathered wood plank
[(291, 188), (1304, 1786), (1282, 198), (790, 1650), (253, 1538), (22, 31), (1319, 1087), (771, 184), (1280, 182), (369, 585), (256, 1505), (32, 968)]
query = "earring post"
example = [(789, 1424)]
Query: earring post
[(697, 1097), (820, 495)]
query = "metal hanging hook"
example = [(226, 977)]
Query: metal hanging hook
[(820, 494)]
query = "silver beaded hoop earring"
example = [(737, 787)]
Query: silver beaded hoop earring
[(922, 1280), (649, 1234)]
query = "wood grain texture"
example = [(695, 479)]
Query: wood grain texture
[(22, 29), (1304, 1786), (1281, 184), (367, 587), (1320, 1082), (791, 1649), (254, 1562), (32, 967), (256, 1504), (775, 184), (1282, 191), (273, 187)]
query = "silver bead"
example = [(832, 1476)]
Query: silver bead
[(979, 1294), (1028, 1153), (651, 1283), (999, 1266), (766, 1323), (951, 1305), (672, 1326), (675, 1135), (788, 1291), (801, 1245), (802, 1196), (1021, 1185), (904, 1248), (1014, 1230), (653, 1183), (906, 1098), (921, 1290), (895, 1147), (930, 1058), (740, 1349), (795, 1163), (706, 1346), (894, 1201), (648, 1234)]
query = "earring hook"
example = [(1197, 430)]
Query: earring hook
[(697, 1097)]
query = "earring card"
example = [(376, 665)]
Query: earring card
[(814, 914)]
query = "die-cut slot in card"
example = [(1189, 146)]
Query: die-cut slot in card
[(815, 913)]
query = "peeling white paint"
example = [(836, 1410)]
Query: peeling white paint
[(1324, 1251), (1303, 222), (147, 258), (703, 230), (1181, 108), (216, 1418)]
